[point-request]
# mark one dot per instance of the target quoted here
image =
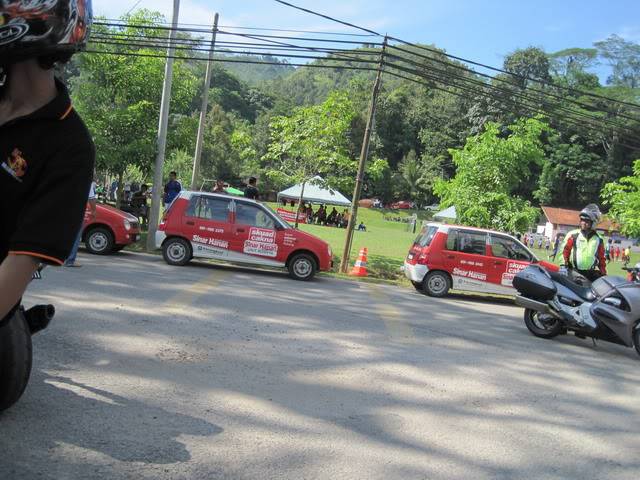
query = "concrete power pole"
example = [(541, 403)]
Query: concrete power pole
[(156, 199), (364, 153), (205, 105)]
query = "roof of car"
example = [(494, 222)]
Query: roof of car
[(444, 227), (189, 193)]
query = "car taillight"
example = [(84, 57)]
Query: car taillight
[(422, 258)]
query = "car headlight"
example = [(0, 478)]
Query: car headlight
[(127, 224)]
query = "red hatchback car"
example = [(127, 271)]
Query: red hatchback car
[(467, 259), (238, 230), (110, 231)]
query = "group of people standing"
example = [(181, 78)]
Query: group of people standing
[(614, 253)]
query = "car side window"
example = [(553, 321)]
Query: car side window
[(254, 216), (467, 242), (452, 241), (209, 208), (505, 247)]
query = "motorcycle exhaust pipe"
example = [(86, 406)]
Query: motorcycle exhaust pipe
[(533, 305), (39, 317)]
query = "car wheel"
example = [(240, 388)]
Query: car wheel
[(436, 284), (302, 267), (636, 338), (99, 241), (176, 251)]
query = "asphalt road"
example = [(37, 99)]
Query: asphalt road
[(206, 372)]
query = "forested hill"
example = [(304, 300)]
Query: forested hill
[(546, 130)]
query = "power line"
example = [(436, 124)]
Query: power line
[(521, 77), (262, 29)]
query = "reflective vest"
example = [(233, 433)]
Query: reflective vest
[(584, 255)]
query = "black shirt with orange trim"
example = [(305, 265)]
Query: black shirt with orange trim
[(46, 168)]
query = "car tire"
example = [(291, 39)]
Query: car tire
[(302, 267), (15, 359), (99, 241), (636, 338), (436, 284), (177, 251)]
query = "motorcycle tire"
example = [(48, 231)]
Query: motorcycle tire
[(538, 328), (636, 338), (15, 359)]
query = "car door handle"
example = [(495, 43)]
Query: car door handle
[(191, 223), (498, 263), (451, 257), (240, 230)]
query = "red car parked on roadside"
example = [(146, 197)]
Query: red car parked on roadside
[(110, 231), (466, 259), (238, 230), (402, 205)]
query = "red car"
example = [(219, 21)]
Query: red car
[(467, 259), (402, 205), (238, 230), (110, 231)]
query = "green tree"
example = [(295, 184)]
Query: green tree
[(490, 168), (623, 199), (312, 142), (623, 56)]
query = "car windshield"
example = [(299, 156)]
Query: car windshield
[(425, 236), (284, 222)]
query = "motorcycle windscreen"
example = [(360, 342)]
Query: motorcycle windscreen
[(533, 282)]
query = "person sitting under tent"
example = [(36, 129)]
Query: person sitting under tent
[(362, 227)]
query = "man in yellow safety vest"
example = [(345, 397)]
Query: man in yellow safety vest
[(583, 249)]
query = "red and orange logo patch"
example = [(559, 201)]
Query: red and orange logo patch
[(16, 165)]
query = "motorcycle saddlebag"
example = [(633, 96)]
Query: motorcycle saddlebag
[(533, 282)]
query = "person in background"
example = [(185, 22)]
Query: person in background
[(91, 203), (219, 187), (331, 219), (139, 203), (607, 250), (626, 258), (172, 189), (556, 247), (362, 227), (252, 190), (616, 253), (113, 189)]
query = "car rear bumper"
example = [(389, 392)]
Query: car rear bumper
[(415, 273), (160, 238)]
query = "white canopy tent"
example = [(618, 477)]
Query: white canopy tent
[(314, 193), (448, 214)]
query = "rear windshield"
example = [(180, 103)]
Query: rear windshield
[(426, 235)]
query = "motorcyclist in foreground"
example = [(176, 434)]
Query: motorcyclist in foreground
[(583, 249), (46, 152)]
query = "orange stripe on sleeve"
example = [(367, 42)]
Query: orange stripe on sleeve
[(66, 114), (38, 255)]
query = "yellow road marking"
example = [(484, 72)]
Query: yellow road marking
[(187, 296), (399, 330)]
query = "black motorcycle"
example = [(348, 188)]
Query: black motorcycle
[(556, 303), (16, 349)]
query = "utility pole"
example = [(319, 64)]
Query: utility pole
[(156, 199), (205, 105), (364, 153)]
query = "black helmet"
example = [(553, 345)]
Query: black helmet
[(43, 28), (591, 213)]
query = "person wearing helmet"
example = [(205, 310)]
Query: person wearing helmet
[(46, 152), (584, 249)]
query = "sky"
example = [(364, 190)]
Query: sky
[(481, 30)]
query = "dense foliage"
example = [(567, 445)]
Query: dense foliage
[(494, 157)]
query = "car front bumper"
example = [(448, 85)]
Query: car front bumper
[(415, 273)]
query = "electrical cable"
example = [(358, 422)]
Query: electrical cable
[(495, 69)]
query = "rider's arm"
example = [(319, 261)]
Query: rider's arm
[(15, 274), (602, 261), (566, 250)]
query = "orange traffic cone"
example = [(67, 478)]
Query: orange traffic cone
[(360, 267)]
